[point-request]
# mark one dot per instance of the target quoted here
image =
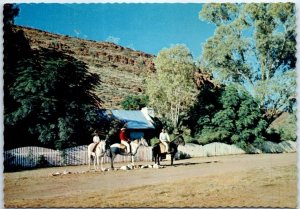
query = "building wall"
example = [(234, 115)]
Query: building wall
[(136, 134)]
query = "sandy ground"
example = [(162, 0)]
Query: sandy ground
[(264, 180)]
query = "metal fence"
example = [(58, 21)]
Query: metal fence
[(35, 156)]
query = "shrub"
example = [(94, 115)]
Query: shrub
[(189, 139), (135, 102), (153, 141), (42, 162), (236, 118), (209, 135)]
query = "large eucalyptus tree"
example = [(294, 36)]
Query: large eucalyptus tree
[(171, 89), (254, 45)]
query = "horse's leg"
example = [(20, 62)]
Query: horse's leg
[(102, 159), (97, 158), (112, 160), (172, 158), (89, 161), (132, 160), (153, 156)]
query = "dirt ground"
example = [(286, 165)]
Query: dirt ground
[(264, 180)]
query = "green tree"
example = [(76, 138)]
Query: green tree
[(171, 89), (253, 45), (206, 105), (238, 121), (10, 11), (48, 97), (135, 102), (54, 96), (16, 47)]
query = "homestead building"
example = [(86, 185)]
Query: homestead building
[(139, 123)]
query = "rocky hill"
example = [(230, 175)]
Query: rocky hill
[(122, 70)]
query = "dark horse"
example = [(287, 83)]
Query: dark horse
[(157, 154)]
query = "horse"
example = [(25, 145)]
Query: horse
[(118, 149), (97, 152), (157, 154)]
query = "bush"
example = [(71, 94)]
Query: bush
[(288, 130), (283, 128), (42, 162), (235, 119), (210, 135), (189, 139), (153, 141), (135, 102)]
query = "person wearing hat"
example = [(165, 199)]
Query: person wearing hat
[(164, 138), (124, 139)]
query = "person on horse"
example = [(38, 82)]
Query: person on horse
[(125, 140), (96, 140), (164, 138)]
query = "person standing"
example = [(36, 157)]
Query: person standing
[(124, 139), (164, 138)]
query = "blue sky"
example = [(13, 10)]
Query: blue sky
[(144, 27)]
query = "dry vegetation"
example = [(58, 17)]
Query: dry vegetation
[(264, 180), (121, 69)]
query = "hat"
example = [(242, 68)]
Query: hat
[(123, 129)]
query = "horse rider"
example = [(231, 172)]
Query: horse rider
[(125, 140), (96, 139), (164, 138)]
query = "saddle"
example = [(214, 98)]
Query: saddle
[(123, 148), (95, 146), (163, 148)]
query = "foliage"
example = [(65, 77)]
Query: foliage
[(254, 45), (135, 102), (113, 127), (171, 90), (154, 141), (204, 108), (48, 95), (210, 135), (285, 130), (288, 131), (236, 119), (278, 94), (42, 162), (10, 11), (53, 92)]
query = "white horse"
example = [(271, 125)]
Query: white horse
[(98, 153), (117, 148)]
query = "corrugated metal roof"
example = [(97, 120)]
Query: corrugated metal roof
[(135, 119)]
